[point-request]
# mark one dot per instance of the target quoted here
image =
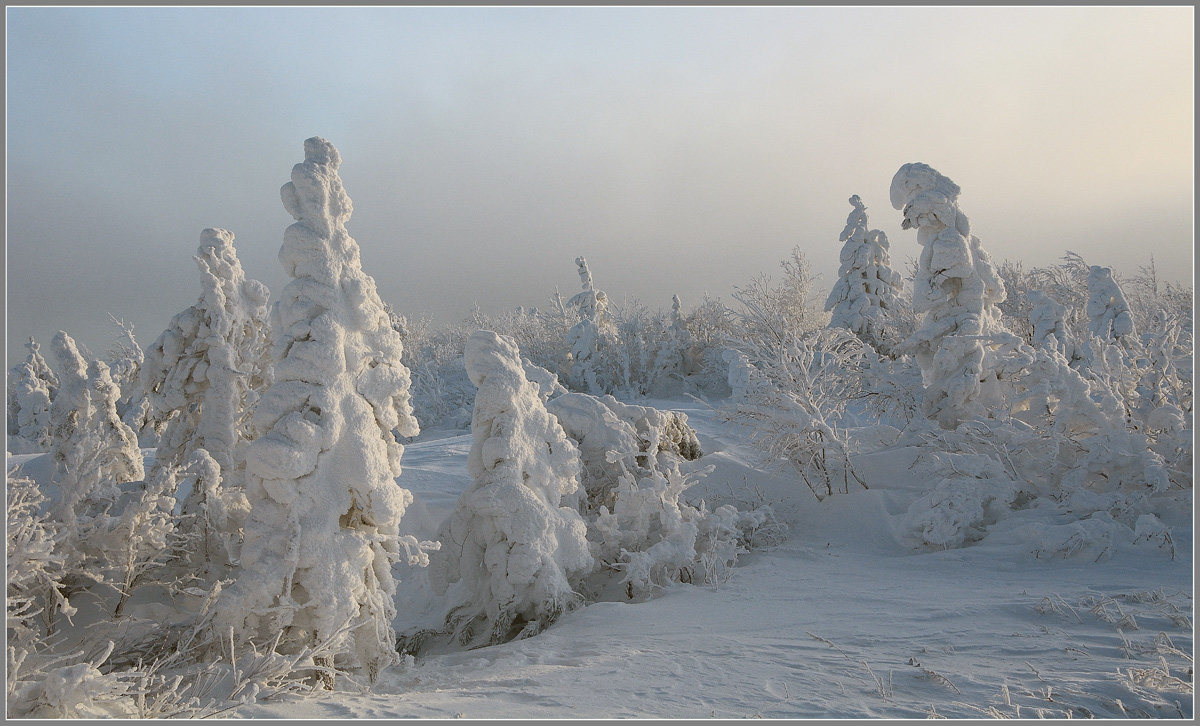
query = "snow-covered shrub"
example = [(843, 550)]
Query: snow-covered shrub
[(442, 393), (616, 438), (771, 313), (206, 370), (1047, 317), (34, 568), (1016, 306), (93, 450), (710, 328), (512, 555), (539, 334), (218, 512), (29, 410), (794, 405), (323, 529), (1108, 312), (139, 539), (646, 352), (961, 345), (866, 298), (125, 360), (648, 532), (639, 524), (32, 387)]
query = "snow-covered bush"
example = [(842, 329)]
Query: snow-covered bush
[(1048, 319), (866, 297), (218, 513), (615, 438), (125, 361), (323, 529), (711, 328), (206, 370), (93, 450), (771, 313), (34, 567), (961, 345), (1108, 312), (31, 388), (646, 352), (512, 555), (795, 405), (639, 524)]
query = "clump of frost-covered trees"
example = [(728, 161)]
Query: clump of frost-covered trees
[(255, 556)]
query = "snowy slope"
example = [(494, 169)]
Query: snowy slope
[(844, 619)]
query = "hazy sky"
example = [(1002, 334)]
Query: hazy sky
[(681, 150)]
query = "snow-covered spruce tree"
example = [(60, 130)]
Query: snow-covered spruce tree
[(28, 410), (32, 386), (1109, 317), (589, 339), (961, 345), (206, 370), (93, 450), (512, 554), (323, 529), (866, 297)]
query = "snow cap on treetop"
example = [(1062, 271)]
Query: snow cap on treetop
[(928, 198), (913, 179)]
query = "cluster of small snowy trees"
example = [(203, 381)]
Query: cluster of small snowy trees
[(269, 518), (1072, 414)]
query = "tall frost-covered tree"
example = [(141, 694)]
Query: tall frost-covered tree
[(323, 529), (93, 450), (961, 344), (866, 297), (587, 339), (511, 552), (205, 371), (1108, 312)]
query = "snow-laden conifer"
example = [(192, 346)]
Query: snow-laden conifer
[(323, 529), (511, 553), (866, 297), (961, 345), (205, 371), (588, 338), (32, 386)]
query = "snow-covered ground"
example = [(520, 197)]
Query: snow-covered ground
[(846, 618)]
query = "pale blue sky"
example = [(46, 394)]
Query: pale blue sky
[(681, 150)]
